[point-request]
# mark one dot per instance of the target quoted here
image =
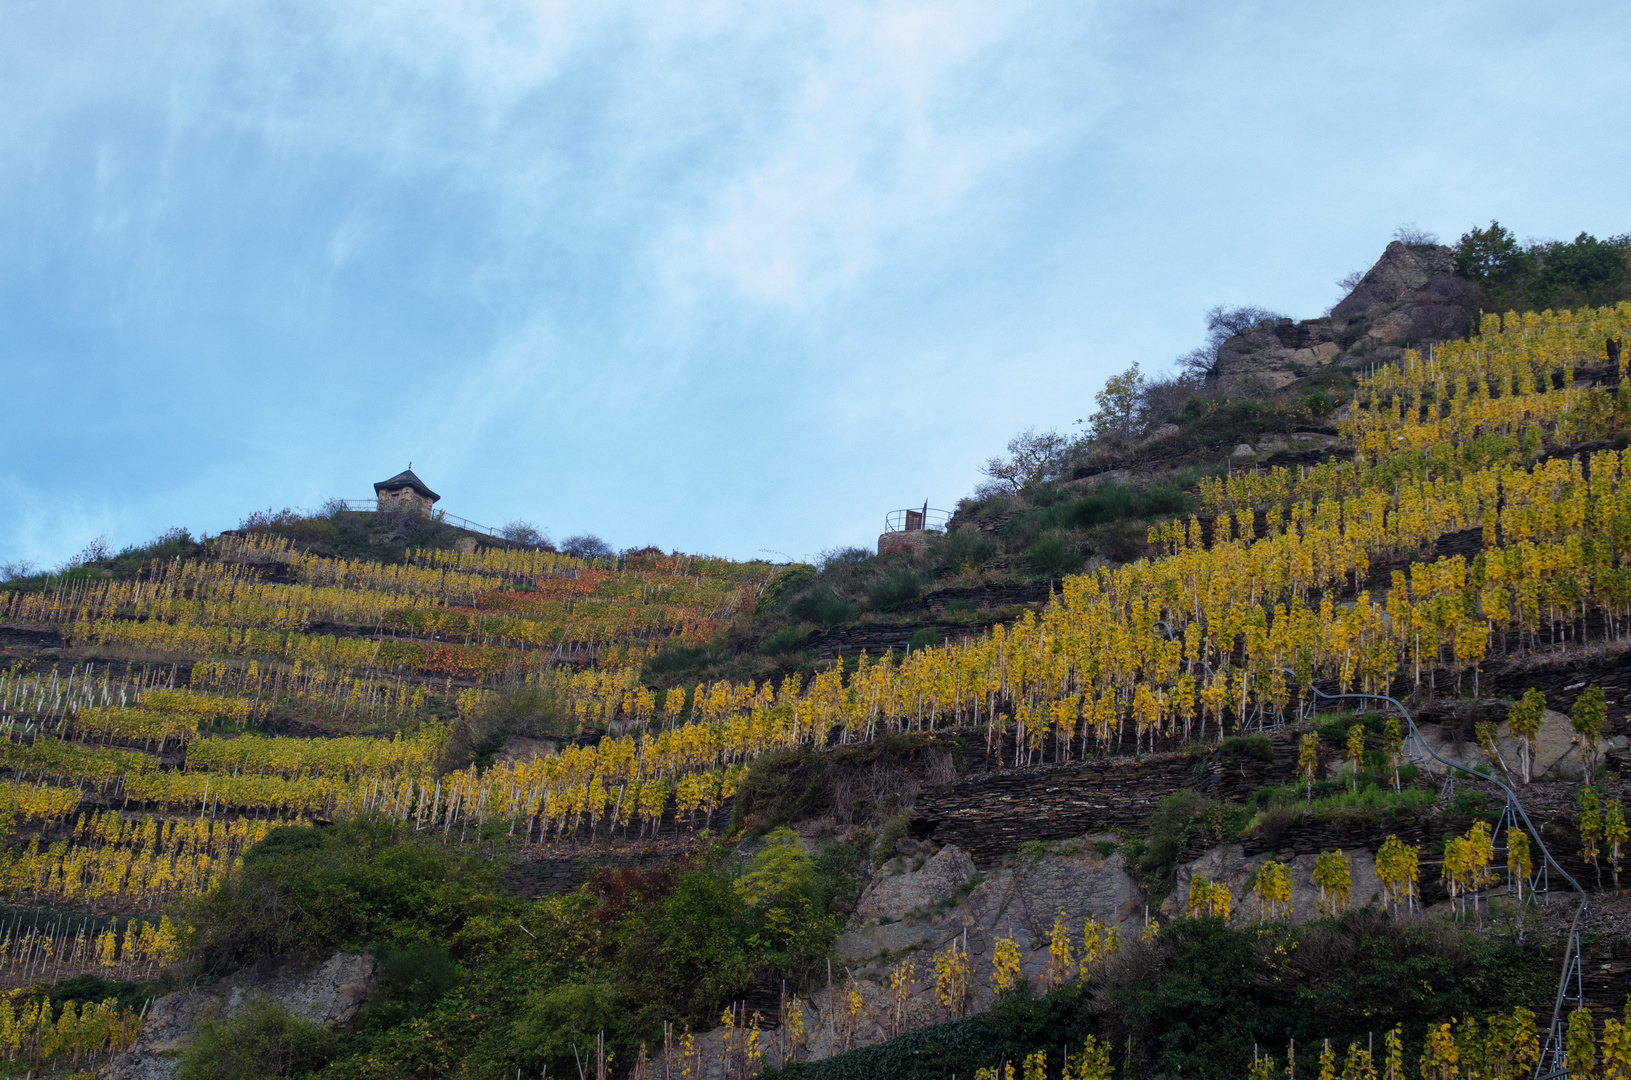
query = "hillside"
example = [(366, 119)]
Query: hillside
[(391, 799)]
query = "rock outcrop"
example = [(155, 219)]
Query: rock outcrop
[(1228, 864), (1556, 753), (329, 993), (915, 914), (1412, 296)]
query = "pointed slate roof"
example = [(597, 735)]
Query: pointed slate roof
[(406, 479)]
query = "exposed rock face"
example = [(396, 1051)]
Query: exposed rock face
[(926, 909), (897, 895), (1228, 864), (1556, 754), (1411, 297), (1273, 354), (330, 993), (1081, 884), (1412, 294)]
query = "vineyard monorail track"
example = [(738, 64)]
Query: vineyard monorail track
[(1552, 1064)]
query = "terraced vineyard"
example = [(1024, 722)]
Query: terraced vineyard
[(1214, 635), (140, 766)]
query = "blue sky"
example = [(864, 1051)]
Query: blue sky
[(726, 277)]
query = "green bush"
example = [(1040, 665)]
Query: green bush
[(780, 789), (560, 1025), (306, 891), (700, 956), (407, 980), (260, 1040), (787, 639), (1105, 504), (926, 638), (1235, 747), (893, 831), (821, 605), (674, 659), (1168, 832), (1120, 541), (784, 892), (897, 587), (528, 709), (961, 550), (1053, 555), (787, 582)]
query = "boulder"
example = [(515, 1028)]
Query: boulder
[(326, 993), (897, 895)]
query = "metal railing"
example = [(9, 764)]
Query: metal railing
[(372, 505), (924, 517)]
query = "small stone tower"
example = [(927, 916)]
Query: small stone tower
[(906, 532), (405, 491)]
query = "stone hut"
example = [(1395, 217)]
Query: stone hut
[(405, 491)]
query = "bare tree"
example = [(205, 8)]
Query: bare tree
[(1032, 458), (17, 570), (1165, 396), (98, 550), (524, 532), (1412, 235), (1223, 323), (587, 546)]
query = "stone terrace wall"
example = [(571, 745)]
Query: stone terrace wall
[(991, 814)]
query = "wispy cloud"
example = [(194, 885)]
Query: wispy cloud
[(716, 273)]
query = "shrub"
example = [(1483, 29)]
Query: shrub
[(700, 954), (779, 789), (893, 831), (897, 587), (305, 891), (531, 710), (1121, 541), (407, 980), (926, 638), (559, 1027), (821, 605), (260, 1040), (676, 658), (783, 889), (1053, 555), (787, 639), (787, 582), (961, 550), (1235, 747)]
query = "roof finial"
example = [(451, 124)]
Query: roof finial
[(410, 464)]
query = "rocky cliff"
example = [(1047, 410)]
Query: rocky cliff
[(1412, 297)]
